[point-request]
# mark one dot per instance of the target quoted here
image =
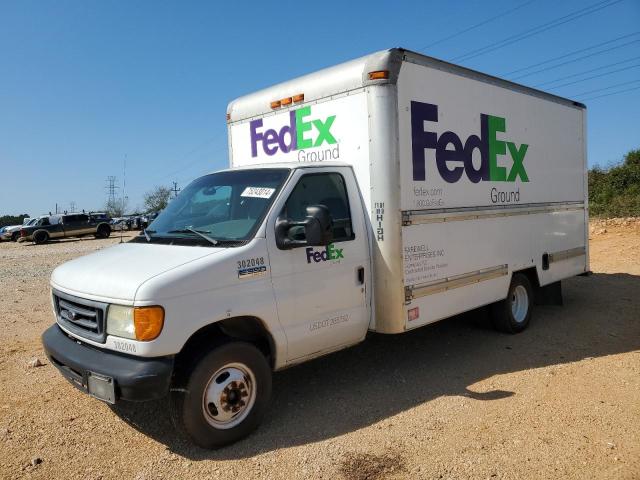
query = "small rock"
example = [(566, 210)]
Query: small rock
[(35, 363), (36, 461), (611, 445)]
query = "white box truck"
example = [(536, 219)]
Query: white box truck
[(381, 195)]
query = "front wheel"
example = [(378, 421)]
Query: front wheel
[(15, 236), (226, 396), (512, 315)]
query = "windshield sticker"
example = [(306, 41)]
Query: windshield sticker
[(258, 192)]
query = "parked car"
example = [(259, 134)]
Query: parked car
[(63, 226), (12, 232), (120, 224)]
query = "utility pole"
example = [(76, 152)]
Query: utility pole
[(124, 185), (175, 189), (72, 206), (111, 188)]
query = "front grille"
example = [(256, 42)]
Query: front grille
[(83, 317)]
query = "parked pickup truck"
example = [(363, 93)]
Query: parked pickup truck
[(63, 226)]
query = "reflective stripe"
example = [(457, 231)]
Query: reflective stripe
[(456, 281), (567, 254), (418, 217)]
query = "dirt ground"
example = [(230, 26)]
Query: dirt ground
[(453, 400)]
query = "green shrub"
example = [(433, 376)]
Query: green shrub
[(615, 191)]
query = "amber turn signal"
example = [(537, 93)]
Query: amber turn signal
[(148, 322), (379, 74)]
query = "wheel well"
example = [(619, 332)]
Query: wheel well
[(248, 329), (532, 275)]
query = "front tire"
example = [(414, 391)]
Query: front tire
[(512, 315), (15, 236), (226, 395)]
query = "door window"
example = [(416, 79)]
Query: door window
[(326, 189)]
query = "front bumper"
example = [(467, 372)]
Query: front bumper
[(135, 378)]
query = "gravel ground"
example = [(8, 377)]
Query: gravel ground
[(453, 400)]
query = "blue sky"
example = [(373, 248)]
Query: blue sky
[(84, 85)]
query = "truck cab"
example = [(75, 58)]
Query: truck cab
[(270, 263)]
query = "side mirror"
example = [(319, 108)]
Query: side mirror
[(318, 226), (318, 229)]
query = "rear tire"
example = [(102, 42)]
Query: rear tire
[(225, 396), (103, 231), (512, 315), (40, 237)]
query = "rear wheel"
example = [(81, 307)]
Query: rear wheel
[(40, 237), (226, 396), (103, 231), (512, 315)]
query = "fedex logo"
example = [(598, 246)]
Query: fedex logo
[(329, 253), (298, 134), (453, 158)]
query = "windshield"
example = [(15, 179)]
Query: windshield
[(224, 206)]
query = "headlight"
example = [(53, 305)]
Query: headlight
[(136, 323)]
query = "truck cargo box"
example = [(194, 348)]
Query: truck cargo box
[(467, 178)]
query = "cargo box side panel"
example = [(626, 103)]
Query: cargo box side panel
[(465, 142), (454, 264), (492, 183)]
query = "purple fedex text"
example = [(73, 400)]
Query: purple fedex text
[(272, 139)]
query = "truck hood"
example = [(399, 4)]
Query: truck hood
[(116, 273)]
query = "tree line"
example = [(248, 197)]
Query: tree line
[(615, 191)]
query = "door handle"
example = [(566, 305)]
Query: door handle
[(360, 275)]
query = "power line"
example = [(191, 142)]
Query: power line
[(189, 153), (575, 60), (585, 71), (609, 94), (597, 76), (569, 54), (536, 30), (484, 22), (605, 88)]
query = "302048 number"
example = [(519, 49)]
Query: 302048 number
[(251, 262)]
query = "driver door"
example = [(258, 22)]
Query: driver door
[(322, 293)]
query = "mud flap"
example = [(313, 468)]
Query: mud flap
[(549, 294)]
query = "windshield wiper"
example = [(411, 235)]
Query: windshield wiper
[(201, 233), (146, 234)]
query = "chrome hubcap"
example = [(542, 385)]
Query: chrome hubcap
[(519, 303), (229, 396)]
